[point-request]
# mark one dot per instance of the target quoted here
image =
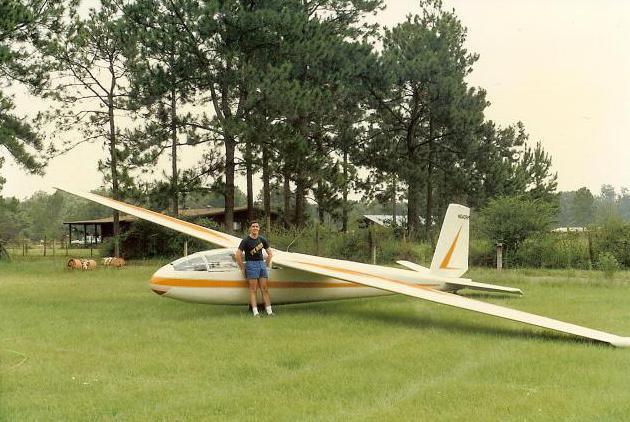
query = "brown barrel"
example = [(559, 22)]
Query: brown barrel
[(74, 263)]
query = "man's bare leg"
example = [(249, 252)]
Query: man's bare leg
[(264, 288), (253, 287)]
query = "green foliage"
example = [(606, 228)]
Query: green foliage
[(583, 207), (510, 220), (550, 250), (608, 264), (22, 24)]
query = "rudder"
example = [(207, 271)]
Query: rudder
[(451, 253)]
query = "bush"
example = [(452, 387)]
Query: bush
[(607, 263), (511, 220), (553, 250)]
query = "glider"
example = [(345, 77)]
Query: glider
[(213, 276)]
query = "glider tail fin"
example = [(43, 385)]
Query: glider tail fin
[(451, 253)]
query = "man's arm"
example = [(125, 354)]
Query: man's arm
[(239, 259), (269, 256)]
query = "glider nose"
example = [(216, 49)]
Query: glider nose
[(157, 283), (159, 290)]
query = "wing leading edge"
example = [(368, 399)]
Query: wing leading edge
[(337, 269), (194, 230)]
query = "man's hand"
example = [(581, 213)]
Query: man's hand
[(269, 256)]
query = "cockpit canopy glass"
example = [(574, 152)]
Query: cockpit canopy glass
[(214, 260), (193, 262)]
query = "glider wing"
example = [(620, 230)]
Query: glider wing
[(194, 230), (343, 270)]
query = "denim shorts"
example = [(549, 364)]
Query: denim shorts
[(255, 270)]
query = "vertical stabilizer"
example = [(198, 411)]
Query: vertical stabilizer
[(451, 253)]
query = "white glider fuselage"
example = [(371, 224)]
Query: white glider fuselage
[(213, 277)]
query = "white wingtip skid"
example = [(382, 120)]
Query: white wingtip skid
[(451, 253), (621, 342)]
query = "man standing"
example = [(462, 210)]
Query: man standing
[(255, 268)]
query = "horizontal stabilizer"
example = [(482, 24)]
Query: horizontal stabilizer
[(464, 283), (413, 267)]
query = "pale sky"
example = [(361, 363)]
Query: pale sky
[(559, 66)]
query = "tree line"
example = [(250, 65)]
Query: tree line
[(308, 95)]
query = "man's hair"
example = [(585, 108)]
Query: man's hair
[(253, 222)]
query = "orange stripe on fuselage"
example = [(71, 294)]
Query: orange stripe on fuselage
[(187, 282)]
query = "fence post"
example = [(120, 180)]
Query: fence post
[(499, 256), (53, 245), (45, 245), (372, 242), (317, 238), (185, 248)]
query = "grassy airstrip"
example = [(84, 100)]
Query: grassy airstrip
[(100, 346)]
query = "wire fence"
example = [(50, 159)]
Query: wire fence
[(51, 248)]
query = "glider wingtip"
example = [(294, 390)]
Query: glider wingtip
[(621, 342)]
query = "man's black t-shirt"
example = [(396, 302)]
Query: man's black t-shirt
[(253, 248)]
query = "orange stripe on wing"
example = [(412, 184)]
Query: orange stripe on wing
[(195, 227), (362, 274)]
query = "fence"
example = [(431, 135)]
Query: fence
[(50, 248)]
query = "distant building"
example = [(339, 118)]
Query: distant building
[(569, 230), (384, 220)]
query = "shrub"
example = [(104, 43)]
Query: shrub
[(607, 263), (511, 220)]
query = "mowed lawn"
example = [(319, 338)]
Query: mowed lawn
[(100, 345)]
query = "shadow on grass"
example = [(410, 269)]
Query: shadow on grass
[(395, 318), (355, 309)]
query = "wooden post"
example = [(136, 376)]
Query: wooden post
[(185, 248), (317, 238), (590, 250), (499, 256), (84, 235), (53, 245), (45, 245), (372, 243)]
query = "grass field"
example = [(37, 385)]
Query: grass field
[(100, 346)]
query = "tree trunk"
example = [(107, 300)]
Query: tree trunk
[(394, 189), (249, 168), (320, 209), (287, 195), (114, 167), (413, 198), (429, 214), (344, 204), (300, 187), (266, 188), (174, 176), (230, 147)]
